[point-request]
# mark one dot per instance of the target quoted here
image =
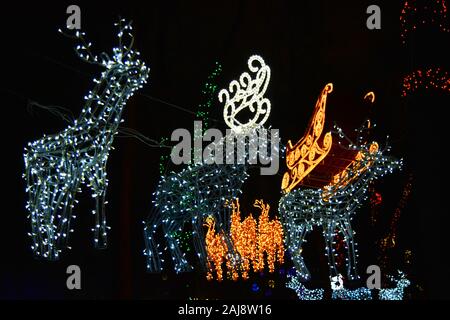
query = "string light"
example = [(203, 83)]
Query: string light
[(302, 292), (216, 249), (270, 240), (432, 12), (307, 153), (401, 283), (209, 91), (248, 94), (201, 190), (389, 241), (352, 294), (333, 206), (431, 78), (56, 165), (251, 242)]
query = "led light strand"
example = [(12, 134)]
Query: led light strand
[(397, 293), (431, 78), (302, 209), (389, 241), (248, 93), (412, 16), (302, 292), (352, 294), (56, 165), (201, 190), (252, 242)]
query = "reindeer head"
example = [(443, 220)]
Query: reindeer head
[(379, 163), (124, 60)]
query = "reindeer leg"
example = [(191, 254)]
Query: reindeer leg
[(36, 190), (347, 230), (178, 257), (99, 185), (49, 203), (151, 247), (198, 237), (328, 234), (297, 237), (73, 186)]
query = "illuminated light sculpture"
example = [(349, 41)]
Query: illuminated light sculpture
[(269, 240), (395, 293), (217, 250), (302, 292), (431, 78), (245, 239), (307, 153), (432, 12), (248, 94), (389, 241), (352, 294), (56, 165), (251, 242), (332, 206), (201, 190)]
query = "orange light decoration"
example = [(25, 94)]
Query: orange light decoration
[(244, 237), (270, 239), (307, 153), (216, 249), (432, 78), (251, 241)]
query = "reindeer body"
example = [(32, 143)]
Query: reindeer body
[(202, 190), (332, 208), (56, 165), (191, 196)]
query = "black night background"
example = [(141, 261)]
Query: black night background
[(307, 44)]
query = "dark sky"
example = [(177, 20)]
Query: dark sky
[(306, 43)]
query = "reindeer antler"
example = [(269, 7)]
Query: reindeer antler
[(123, 27), (83, 49)]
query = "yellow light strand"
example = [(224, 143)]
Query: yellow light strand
[(307, 153), (252, 241)]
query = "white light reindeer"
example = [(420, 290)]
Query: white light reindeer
[(201, 190), (56, 165)]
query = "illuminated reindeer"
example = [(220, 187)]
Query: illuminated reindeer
[(331, 206), (201, 190), (251, 242), (56, 165), (216, 249), (269, 240)]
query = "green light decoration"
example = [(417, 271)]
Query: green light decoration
[(333, 207), (203, 113), (209, 93), (201, 190), (56, 165)]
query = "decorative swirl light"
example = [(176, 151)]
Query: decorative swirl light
[(201, 190), (248, 94)]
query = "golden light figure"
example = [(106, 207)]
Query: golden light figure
[(307, 153), (253, 243)]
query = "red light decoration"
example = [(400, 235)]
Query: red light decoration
[(416, 13), (431, 78)]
